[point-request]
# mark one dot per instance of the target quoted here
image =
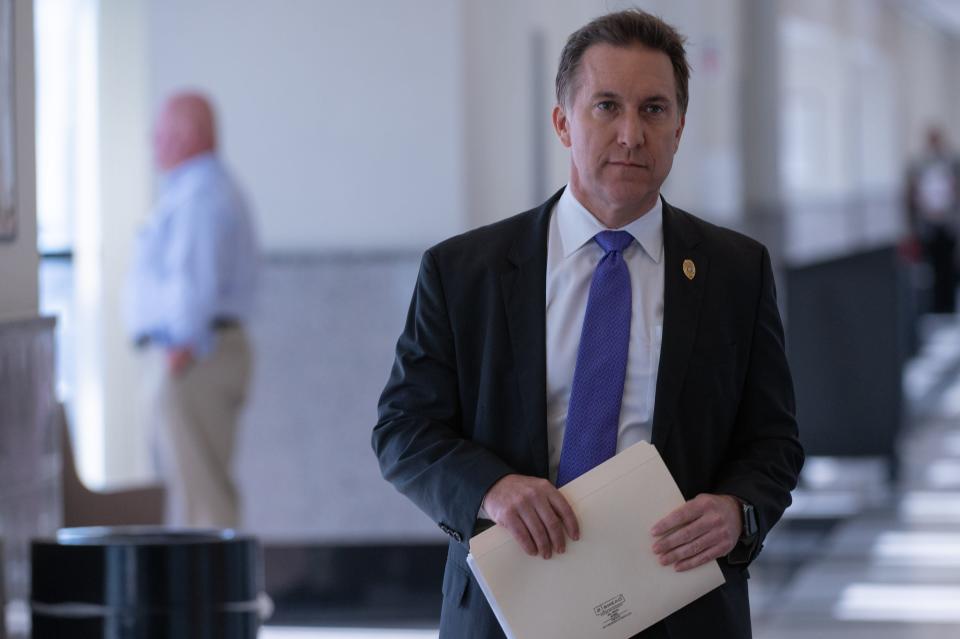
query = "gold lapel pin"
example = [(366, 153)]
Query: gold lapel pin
[(689, 269)]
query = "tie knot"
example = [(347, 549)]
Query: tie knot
[(613, 240)]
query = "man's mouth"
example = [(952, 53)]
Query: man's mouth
[(627, 163)]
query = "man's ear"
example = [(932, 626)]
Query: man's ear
[(561, 125), (676, 142)]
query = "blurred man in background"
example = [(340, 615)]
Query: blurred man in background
[(934, 203), (190, 295)]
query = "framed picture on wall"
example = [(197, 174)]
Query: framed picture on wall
[(8, 174)]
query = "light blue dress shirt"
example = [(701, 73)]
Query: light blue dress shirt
[(196, 259), (572, 258)]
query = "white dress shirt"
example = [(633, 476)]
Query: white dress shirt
[(196, 259), (572, 257)]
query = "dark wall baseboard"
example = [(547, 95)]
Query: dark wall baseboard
[(355, 584)]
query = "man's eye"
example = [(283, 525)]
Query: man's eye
[(655, 108), (606, 105)]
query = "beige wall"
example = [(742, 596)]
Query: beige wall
[(18, 260)]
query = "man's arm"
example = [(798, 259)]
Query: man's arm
[(418, 438), (425, 454), (764, 458)]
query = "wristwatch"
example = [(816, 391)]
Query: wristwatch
[(750, 527)]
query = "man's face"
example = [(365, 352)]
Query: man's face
[(622, 126), (165, 140)]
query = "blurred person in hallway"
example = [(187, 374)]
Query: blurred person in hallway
[(190, 296), (933, 192), (532, 350)]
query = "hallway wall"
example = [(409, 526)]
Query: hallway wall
[(360, 154), (343, 120)]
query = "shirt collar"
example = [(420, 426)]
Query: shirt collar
[(201, 162), (578, 226)]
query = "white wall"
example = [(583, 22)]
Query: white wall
[(18, 259), (706, 177), (862, 81), (125, 196), (343, 120), (509, 101), (380, 125), (927, 72), (841, 117)]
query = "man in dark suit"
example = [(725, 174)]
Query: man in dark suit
[(539, 346)]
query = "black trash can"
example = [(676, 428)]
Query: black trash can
[(146, 583)]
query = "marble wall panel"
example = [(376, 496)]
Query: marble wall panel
[(30, 501)]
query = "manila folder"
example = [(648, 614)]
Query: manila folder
[(607, 585)]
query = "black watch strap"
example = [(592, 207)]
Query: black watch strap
[(750, 528)]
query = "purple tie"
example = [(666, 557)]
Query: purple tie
[(593, 416)]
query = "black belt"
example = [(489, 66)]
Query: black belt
[(224, 323), (218, 324)]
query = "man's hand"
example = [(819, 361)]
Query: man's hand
[(705, 528), (534, 512), (179, 360)]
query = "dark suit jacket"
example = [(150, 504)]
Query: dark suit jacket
[(466, 400)]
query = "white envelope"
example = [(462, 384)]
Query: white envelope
[(607, 585)]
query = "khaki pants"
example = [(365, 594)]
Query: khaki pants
[(194, 420)]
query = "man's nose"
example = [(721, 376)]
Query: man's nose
[(631, 132)]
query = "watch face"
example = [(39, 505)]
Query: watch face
[(749, 521)]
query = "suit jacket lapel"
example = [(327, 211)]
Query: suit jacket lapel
[(681, 313), (523, 283)]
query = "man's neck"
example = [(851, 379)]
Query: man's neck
[(613, 217)]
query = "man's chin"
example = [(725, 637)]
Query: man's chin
[(633, 197)]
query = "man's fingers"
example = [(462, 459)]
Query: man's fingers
[(567, 516), (697, 560), (518, 529), (531, 518), (535, 512), (681, 536), (679, 517), (690, 549), (554, 525), (712, 532)]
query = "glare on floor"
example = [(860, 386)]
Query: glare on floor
[(821, 504), (918, 549), (907, 603), (951, 444), (930, 507), (944, 473)]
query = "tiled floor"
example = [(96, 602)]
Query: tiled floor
[(892, 570), (855, 558)]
